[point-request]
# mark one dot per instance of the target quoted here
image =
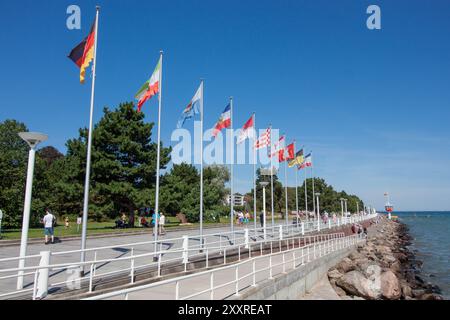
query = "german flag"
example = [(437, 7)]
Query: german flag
[(83, 53)]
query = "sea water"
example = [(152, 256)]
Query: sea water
[(431, 244)]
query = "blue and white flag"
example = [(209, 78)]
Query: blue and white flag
[(192, 108)]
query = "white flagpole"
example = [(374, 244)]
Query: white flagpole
[(286, 189), (306, 193), (296, 192), (89, 147), (271, 179), (158, 158), (201, 169), (313, 192), (231, 169), (254, 171)]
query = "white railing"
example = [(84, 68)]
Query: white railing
[(289, 259), (182, 249)]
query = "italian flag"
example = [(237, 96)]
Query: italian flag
[(150, 88)]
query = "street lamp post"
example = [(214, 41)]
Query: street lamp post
[(342, 207), (264, 184), (1, 217), (32, 139), (346, 210), (318, 211)]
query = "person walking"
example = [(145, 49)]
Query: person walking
[(162, 222), (155, 217), (48, 221), (66, 223)]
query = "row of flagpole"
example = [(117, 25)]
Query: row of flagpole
[(149, 89)]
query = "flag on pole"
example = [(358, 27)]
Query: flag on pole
[(264, 140), (192, 108), (150, 87), (287, 153), (278, 146), (298, 159), (83, 53), (307, 162), (246, 131), (224, 121)]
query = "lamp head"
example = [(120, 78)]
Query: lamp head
[(33, 138)]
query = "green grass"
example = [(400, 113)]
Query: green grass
[(92, 228), (95, 228)]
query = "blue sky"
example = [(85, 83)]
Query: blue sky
[(372, 105)]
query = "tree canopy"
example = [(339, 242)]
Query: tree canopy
[(123, 176)]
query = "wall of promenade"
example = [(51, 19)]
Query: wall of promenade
[(295, 283)]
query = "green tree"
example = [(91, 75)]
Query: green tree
[(123, 173), (13, 170)]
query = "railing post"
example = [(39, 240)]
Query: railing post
[(329, 224), (42, 281), (91, 277), (246, 238), (303, 228), (270, 267), (254, 273), (185, 249), (177, 290), (280, 232), (237, 280), (284, 263), (131, 267), (211, 285)]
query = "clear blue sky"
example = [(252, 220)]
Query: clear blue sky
[(372, 105)]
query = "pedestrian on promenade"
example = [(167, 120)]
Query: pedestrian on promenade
[(49, 221), (79, 221), (155, 218), (66, 222), (162, 222)]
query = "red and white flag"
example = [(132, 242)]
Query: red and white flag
[(277, 146), (224, 121), (246, 131), (264, 140), (287, 153)]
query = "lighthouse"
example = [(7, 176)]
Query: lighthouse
[(388, 207)]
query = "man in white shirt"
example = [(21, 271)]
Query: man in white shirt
[(162, 222), (48, 221)]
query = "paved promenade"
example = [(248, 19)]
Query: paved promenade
[(119, 251)]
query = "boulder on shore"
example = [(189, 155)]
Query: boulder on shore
[(355, 284), (345, 266), (390, 286)]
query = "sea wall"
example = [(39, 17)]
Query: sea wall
[(295, 283), (383, 268)]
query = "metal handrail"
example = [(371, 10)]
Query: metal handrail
[(307, 227), (345, 242)]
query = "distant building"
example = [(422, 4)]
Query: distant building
[(239, 200)]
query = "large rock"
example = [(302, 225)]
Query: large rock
[(334, 274), (390, 286), (406, 290), (355, 284), (345, 265), (431, 296)]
